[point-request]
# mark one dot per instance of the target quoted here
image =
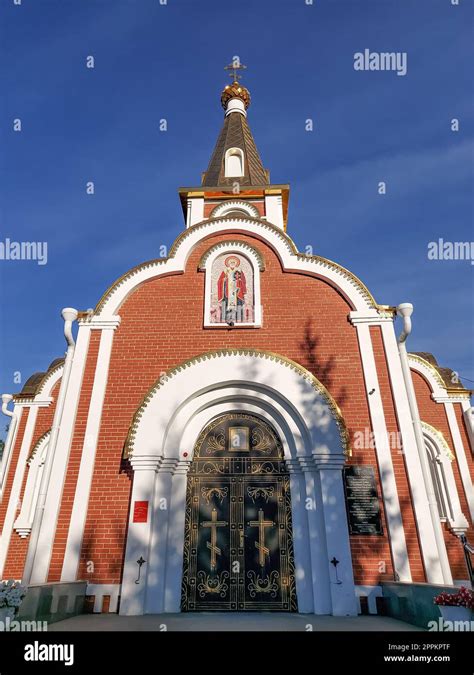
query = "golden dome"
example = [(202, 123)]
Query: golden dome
[(235, 90)]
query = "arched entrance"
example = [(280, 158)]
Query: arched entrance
[(160, 447), (238, 545)]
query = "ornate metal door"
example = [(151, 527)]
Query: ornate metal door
[(238, 551)]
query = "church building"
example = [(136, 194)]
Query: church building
[(279, 449)]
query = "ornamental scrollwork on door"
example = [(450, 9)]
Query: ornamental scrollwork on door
[(260, 584), (262, 441), (216, 442), (256, 492), (212, 585), (221, 493)]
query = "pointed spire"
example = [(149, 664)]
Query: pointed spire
[(235, 157)]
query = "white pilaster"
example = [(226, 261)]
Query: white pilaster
[(42, 555), (468, 414), (139, 535), (393, 516), (86, 469), (460, 457), (155, 590), (15, 492), (195, 211), (274, 210), (301, 540), (174, 563), (9, 445), (341, 577)]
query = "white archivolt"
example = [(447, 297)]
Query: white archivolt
[(161, 445)]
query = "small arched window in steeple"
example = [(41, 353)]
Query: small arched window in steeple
[(234, 163)]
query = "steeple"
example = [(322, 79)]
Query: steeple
[(235, 183), (235, 158)]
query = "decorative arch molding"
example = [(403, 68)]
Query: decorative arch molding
[(438, 438), (440, 457), (235, 205), (355, 292), (232, 368), (429, 373), (51, 378), (35, 461), (236, 244), (39, 446), (160, 449)]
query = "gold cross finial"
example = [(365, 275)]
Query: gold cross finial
[(235, 66)]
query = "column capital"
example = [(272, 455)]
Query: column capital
[(451, 398), (325, 462), (99, 323), (146, 462), (370, 316)]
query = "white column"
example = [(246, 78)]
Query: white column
[(13, 501), (393, 516), (175, 547), (426, 535), (301, 540), (139, 535), (274, 209), (155, 579), (314, 509), (42, 555), (9, 445), (468, 414), (86, 469), (459, 450), (341, 577)]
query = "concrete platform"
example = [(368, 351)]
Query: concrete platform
[(222, 621)]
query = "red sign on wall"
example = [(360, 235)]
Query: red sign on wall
[(140, 512)]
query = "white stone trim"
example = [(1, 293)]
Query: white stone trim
[(393, 517), (428, 372), (42, 555), (16, 486), (24, 521), (194, 210), (226, 207), (98, 323), (247, 252), (461, 457), (86, 469), (99, 590), (274, 210), (468, 414), (425, 530), (168, 427), (439, 452), (371, 593), (291, 260), (8, 449)]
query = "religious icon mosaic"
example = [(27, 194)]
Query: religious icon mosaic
[(232, 290)]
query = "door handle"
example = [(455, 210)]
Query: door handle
[(241, 538)]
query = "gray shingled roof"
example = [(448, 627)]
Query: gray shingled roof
[(236, 134)]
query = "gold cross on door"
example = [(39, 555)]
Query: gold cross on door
[(212, 545), (260, 544)]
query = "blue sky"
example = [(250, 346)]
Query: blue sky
[(156, 61)]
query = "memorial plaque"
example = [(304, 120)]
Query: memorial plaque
[(362, 502)]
